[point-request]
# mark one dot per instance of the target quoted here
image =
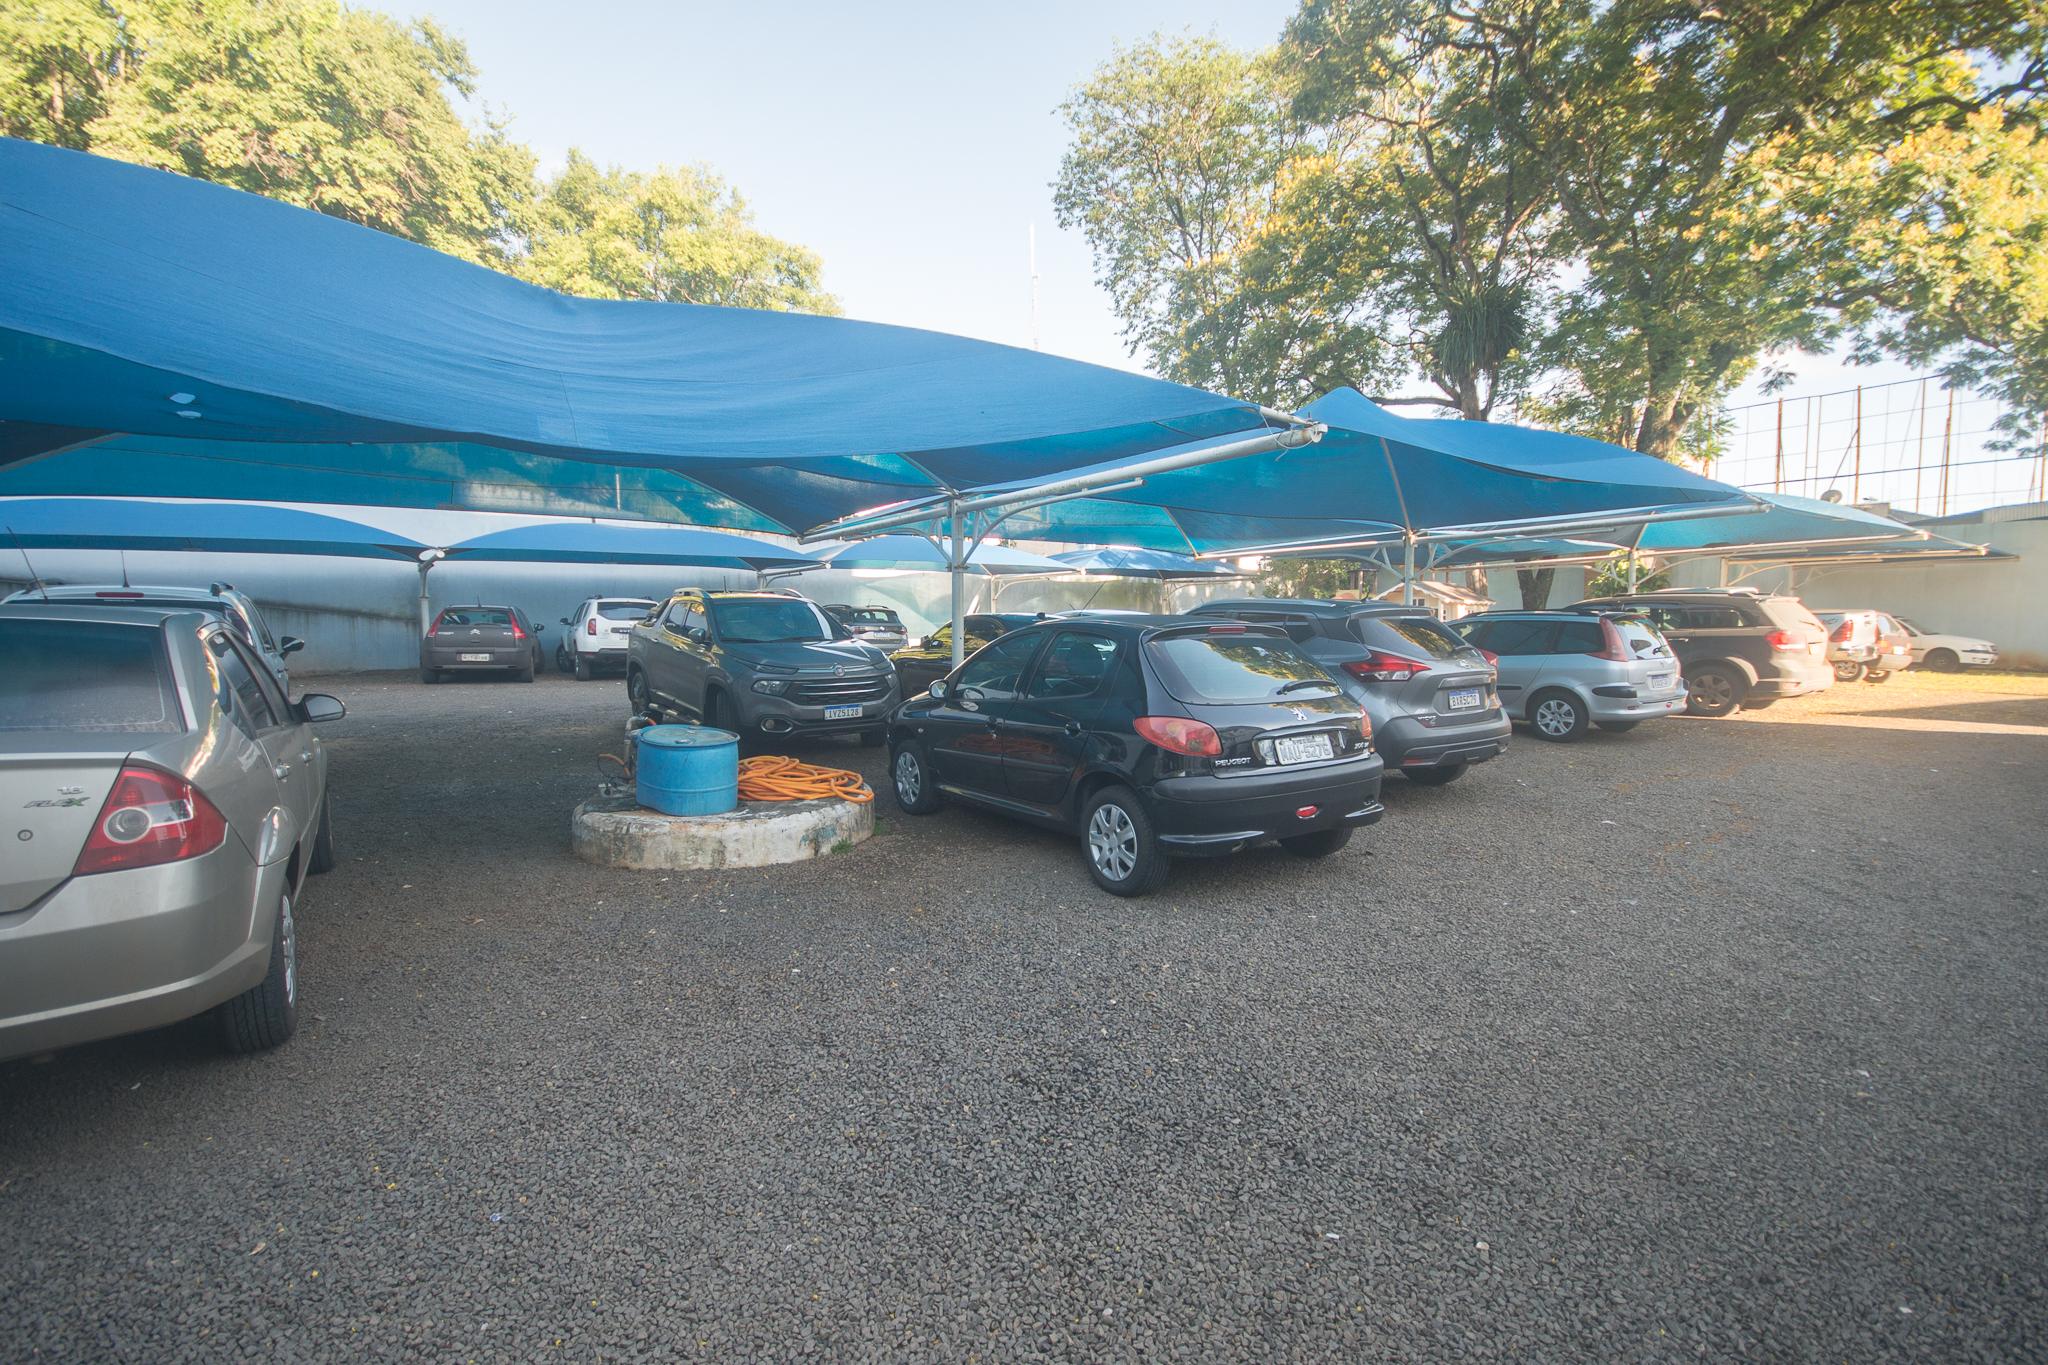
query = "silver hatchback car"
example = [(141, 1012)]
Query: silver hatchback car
[(165, 803), (1563, 670)]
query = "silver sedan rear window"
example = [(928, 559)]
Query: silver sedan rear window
[(89, 676)]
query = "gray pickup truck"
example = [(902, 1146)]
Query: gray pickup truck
[(758, 663)]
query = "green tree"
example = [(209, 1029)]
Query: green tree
[(1425, 213), (57, 60), (1668, 134), (1181, 150), (680, 236)]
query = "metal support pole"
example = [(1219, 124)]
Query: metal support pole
[(958, 531), (1408, 575), (426, 607), (1856, 472)]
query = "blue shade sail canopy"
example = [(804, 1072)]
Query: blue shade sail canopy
[(915, 552), (215, 527), (1124, 562), (590, 542), (1787, 520), (148, 304), (1376, 476)]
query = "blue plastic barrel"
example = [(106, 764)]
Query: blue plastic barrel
[(687, 769)]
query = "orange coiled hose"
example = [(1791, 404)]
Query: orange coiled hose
[(777, 777)]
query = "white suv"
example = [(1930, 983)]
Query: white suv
[(597, 634)]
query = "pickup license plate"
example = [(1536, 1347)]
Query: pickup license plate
[(1463, 699), (1301, 748), (842, 712), (476, 658)]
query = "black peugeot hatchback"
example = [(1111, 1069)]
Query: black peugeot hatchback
[(1150, 736)]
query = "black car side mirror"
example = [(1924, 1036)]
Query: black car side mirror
[(316, 707), (538, 628), (290, 644), (563, 619), (938, 687)]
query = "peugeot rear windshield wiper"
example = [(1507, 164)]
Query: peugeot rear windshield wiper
[(1300, 683)]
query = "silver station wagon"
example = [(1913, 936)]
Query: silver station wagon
[(161, 805), (1561, 670)]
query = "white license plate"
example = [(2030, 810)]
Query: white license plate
[(476, 658), (1463, 699), (841, 712), (1302, 748), (1660, 681)]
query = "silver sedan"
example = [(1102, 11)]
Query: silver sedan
[(165, 802)]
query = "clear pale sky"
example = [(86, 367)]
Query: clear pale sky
[(912, 145)]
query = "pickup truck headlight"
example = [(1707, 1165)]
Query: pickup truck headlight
[(774, 687)]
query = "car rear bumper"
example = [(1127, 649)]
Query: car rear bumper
[(1408, 742), (1200, 815), (1641, 705), (451, 660), (122, 951), (1795, 678)]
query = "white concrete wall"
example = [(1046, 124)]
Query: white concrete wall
[(2003, 601)]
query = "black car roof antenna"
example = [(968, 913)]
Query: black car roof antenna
[(35, 579)]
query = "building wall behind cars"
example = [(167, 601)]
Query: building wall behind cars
[(1999, 600)]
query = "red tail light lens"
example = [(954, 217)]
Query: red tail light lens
[(1612, 646), (1179, 735), (590, 626), (1382, 667), (150, 817), (517, 633), (1782, 639), (1492, 659), (1842, 632)]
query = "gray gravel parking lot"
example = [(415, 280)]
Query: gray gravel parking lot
[(1717, 1039)]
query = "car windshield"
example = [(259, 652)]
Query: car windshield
[(771, 620), (624, 611), (88, 676), (867, 616), (1221, 669), (476, 616), (1422, 632), (1638, 634)]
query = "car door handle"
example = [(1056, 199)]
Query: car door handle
[(1072, 727), (282, 771)]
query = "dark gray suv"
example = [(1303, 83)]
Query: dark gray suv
[(1429, 694), (758, 663)]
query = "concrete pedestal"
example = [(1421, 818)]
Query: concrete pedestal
[(619, 832)]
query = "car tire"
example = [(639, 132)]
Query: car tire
[(1714, 691), (1557, 716), (1874, 676), (563, 664), (1847, 670), (1617, 727), (910, 779), (525, 672), (1321, 844), (267, 1013), (1123, 853), (581, 668), (322, 859), (1442, 775), (873, 739), (1942, 660), (637, 698), (718, 713), (430, 676)]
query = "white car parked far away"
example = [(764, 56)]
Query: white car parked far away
[(597, 634), (1946, 652)]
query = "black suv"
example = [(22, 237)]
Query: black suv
[(1430, 693), (757, 663), (1736, 647), (1149, 736)]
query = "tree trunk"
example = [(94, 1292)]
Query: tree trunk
[(1535, 585), (1664, 419)]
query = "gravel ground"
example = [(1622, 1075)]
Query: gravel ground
[(1719, 1039)]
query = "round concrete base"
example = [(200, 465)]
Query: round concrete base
[(619, 832)]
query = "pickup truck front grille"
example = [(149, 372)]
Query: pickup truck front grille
[(836, 691)]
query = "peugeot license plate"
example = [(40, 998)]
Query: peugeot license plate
[(1660, 681), (1302, 748), (842, 712), (1463, 699), (476, 658)]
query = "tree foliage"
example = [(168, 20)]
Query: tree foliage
[(1605, 212), (680, 236), (357, 115)]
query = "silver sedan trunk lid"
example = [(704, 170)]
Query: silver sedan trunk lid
[(51, 801)]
